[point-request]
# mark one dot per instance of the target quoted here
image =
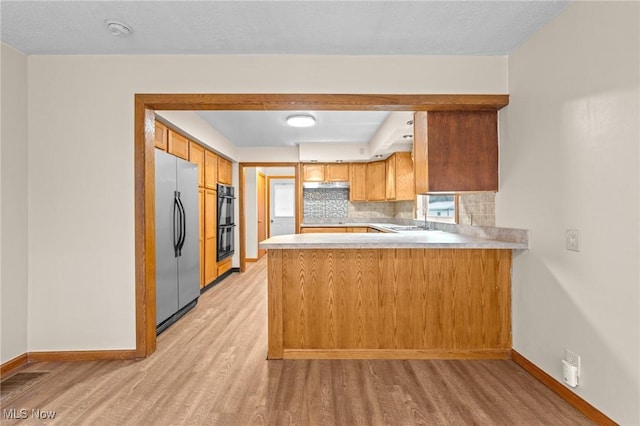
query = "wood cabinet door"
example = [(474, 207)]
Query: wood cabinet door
[(358, 182), (405, 186), (313, 172), (210, 170), (210, 234), (161, 136), (456, 151), (224, 171), (376, 174), (357, 229), (322, 230), (390, 187), (201, 234), (338, 172), (178, 145), (223, 266), (196, 156)]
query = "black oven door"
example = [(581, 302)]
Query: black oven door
[(225, 241), (226, 201)]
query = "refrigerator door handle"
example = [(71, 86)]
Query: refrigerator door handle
[(176, 226), (183, 226)]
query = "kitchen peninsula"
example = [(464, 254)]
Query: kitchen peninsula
[(409, 295)]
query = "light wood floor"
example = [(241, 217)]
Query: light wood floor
[(210, 369)]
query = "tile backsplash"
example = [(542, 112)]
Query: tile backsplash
[(322, 202), (334, 203), (477, 209)]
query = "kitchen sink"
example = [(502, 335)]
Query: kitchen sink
[(401, 228)]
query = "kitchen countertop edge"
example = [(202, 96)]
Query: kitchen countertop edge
[(403, 240)]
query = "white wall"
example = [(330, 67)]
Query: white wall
[(570, 159), (13, 209), (250, 212), (81, 174), (251, 204)]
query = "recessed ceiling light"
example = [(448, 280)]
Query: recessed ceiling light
[(301, 120), (410, 122), (117, 28), (339, 161), (407, 136), (379, 156)]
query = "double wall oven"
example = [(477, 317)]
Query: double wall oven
[(226, 225)]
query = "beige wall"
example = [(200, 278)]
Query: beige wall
[(81, 228), (570, 159), (13, 210)]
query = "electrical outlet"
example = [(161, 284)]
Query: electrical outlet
[(573, 239), (573, 359)]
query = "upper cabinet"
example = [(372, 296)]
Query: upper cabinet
[(178, 145), (224, 171), (196, 156), (332, 172), (358, 182), (376, 181), (400, 178), (210, 170), (313, 172), (161, 136), (338, 172), (455, 151)]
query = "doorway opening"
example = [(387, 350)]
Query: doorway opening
[(257, 204), (144, 166)]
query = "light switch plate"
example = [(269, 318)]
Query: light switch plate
[(573, 239)]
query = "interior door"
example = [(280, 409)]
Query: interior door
[(282, 219), (262, 212)]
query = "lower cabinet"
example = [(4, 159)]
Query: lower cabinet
[(210, 233), (224, 265), (357, 229), (322, 229)]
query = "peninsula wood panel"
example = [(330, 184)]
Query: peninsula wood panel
[(394, 299)]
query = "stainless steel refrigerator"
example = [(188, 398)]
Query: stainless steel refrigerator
[(177, 245)]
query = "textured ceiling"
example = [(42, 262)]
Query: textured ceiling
[(389, 27), (381, 27)]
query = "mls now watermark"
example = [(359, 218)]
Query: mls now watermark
[(23, 414)]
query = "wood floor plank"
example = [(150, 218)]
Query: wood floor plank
[(210, 368)]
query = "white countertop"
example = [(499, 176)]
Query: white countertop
[(395, 240)]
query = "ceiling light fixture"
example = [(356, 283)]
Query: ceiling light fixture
[(117, 28), (379, 156), (301, 120), (408, 136), (410, 122)]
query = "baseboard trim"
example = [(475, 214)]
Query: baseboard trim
[(251, 259), (565, 393), (13, 364), (51, 356), (395, 354)]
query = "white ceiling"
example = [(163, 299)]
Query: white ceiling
[(382, 27), (379, 27), (269, 128)]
